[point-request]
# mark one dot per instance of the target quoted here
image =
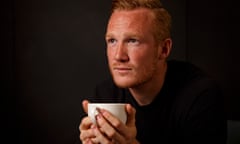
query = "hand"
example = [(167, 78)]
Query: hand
[(86, 126), (110, 129)]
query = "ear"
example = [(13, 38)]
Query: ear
[(164, 48)]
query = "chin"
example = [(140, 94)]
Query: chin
[(124, 83)]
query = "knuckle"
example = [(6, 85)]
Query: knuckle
[(116, 124), (111, 134)]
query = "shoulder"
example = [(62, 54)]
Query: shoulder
[(186, 74), (194, 87), (191, 82), (184, 69)]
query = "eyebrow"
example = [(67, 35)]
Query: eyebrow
[(125, 35), (109, 35)]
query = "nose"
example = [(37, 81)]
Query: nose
[(121, 53)]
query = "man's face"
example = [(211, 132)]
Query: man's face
[(131, 48)]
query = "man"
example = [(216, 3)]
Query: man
[(168, 102)]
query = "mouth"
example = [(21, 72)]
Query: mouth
[(122, 70)]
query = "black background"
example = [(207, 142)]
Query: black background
[(53, 54)]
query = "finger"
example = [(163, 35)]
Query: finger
[(108, 129), (111, 126), (131, 112), (105, 126), (85, 135), (111, 119), (87, 141), (85, 105), (99, 137), (85, 123)]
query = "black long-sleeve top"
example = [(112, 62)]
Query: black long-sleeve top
[(188, 110)]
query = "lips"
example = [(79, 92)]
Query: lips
[(121, 69)]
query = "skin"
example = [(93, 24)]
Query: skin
[(136, 61), (109, 129)]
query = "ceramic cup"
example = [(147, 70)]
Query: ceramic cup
[(117, 109)]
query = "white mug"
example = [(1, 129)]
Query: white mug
[(117, 109)]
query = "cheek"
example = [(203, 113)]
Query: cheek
[(145, 65), (109, 54), (143, 58)]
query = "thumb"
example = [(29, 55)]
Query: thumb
[(85, 105), (131, 112)]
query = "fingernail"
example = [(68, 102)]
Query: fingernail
[(99, 116), (98, 109)]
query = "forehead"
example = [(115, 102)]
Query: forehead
[(141, 17)]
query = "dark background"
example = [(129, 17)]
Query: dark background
[(52, 54)]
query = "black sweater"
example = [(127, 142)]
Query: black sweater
[(187, 110)]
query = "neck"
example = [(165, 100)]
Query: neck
[(145, 93)]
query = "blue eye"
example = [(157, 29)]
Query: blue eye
[(111, 41), (132, 40)]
